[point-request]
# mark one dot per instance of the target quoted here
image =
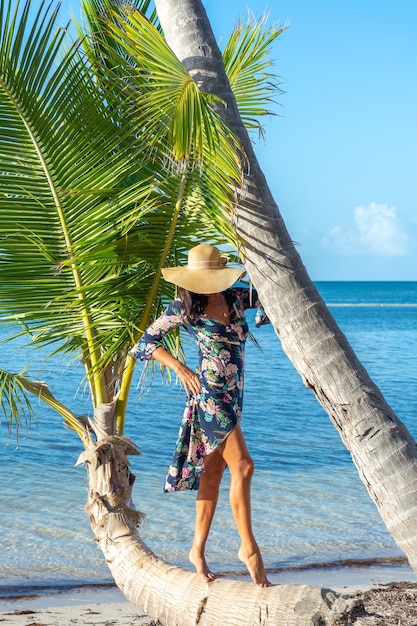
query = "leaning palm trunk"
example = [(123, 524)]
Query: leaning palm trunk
[(172, 595), (380, 445)]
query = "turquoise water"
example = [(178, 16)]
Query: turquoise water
[(309, 505)]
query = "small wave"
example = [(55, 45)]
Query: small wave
[(35, 590), (347, 563)]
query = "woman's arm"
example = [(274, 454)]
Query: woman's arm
[(153, 336), (249, 298), (187, 376), (150, 347)]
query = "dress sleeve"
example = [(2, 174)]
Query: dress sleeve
[(249, 299), (152, 338)]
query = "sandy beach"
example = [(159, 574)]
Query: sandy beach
[(98, 606), (103, 614), (388, 593)]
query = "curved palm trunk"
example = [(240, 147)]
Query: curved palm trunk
[(172, 595), (381, 447)]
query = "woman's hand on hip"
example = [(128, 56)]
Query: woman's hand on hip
[(187, 376), (189, 379)]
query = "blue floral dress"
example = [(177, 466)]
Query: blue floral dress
[(210, 416)]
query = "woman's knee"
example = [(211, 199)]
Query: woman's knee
[(237, 456), (244, 468)]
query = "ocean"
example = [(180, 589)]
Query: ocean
[(309, 505)]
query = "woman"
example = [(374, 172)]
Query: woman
[(210, 436)]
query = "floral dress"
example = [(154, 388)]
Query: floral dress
[(210, 416)]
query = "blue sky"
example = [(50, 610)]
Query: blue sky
[(341, 158)]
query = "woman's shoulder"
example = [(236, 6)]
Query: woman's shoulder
[(175, 307)]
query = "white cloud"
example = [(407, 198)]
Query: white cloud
[(378, 231)]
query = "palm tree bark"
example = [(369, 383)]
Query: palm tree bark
[(381, 447), (172, 595)]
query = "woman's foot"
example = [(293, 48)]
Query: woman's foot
[(200, 564), (254, 563)]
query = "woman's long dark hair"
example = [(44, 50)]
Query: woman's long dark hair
[(194, 303)]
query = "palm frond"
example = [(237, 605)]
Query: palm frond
[(185, 137), (14, 399), (98, 41), (102, 183), (246, 58), (177, 112), (71, 178)]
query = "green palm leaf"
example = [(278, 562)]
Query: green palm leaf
[(113, 164), (98, 194), (246, 58), (189, 144), (71, 186), (176, 112), (15, 402)]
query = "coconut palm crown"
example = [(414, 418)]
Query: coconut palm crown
[(113, 164)]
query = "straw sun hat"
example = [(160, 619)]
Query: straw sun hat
[(205, 272)]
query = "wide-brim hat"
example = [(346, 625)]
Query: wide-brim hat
[(206, 271)]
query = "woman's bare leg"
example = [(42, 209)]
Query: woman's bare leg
[(208, 494), (237, 457)]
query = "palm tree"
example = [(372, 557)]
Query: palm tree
[(381, 447), (110, 159), (93, 201)]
